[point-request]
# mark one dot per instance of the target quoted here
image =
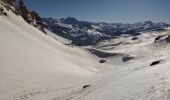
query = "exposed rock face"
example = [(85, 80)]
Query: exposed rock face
[(10, 2), (2, 12), (24, 12), (37, 21), (31, 17)]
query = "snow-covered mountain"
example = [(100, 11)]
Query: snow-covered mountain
[(81, 33), (38, 66), (88, 33)]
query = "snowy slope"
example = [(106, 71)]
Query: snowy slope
[(134, 79), (35, 66)]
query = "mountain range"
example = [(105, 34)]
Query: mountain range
[(111, 61), (84, 33)]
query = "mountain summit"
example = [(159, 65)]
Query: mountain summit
[(69, 20)]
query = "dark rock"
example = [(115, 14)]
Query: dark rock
[(155, 62), (127, 58), (168, 38), (86, 86), (134, 38), (102, 61), (11, 2), (2, 12), (157, 38)]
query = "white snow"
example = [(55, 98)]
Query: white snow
[(32, 62), (93, 32), (35, 66)]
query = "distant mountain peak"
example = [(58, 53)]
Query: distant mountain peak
[(51, 19), (70, 20)]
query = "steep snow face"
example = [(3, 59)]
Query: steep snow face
[(33, 63), (15, 25)]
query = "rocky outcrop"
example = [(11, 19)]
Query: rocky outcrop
[(168, 39), (156, 62), (127, 58), (2, 12), (31, 17)]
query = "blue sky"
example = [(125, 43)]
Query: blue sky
[(104, 10)]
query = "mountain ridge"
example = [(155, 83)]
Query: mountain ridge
[(89, 33)]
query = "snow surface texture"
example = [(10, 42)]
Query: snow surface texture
[(34, 66), (32, 63)]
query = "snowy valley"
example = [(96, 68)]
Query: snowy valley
[(42, 66)]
